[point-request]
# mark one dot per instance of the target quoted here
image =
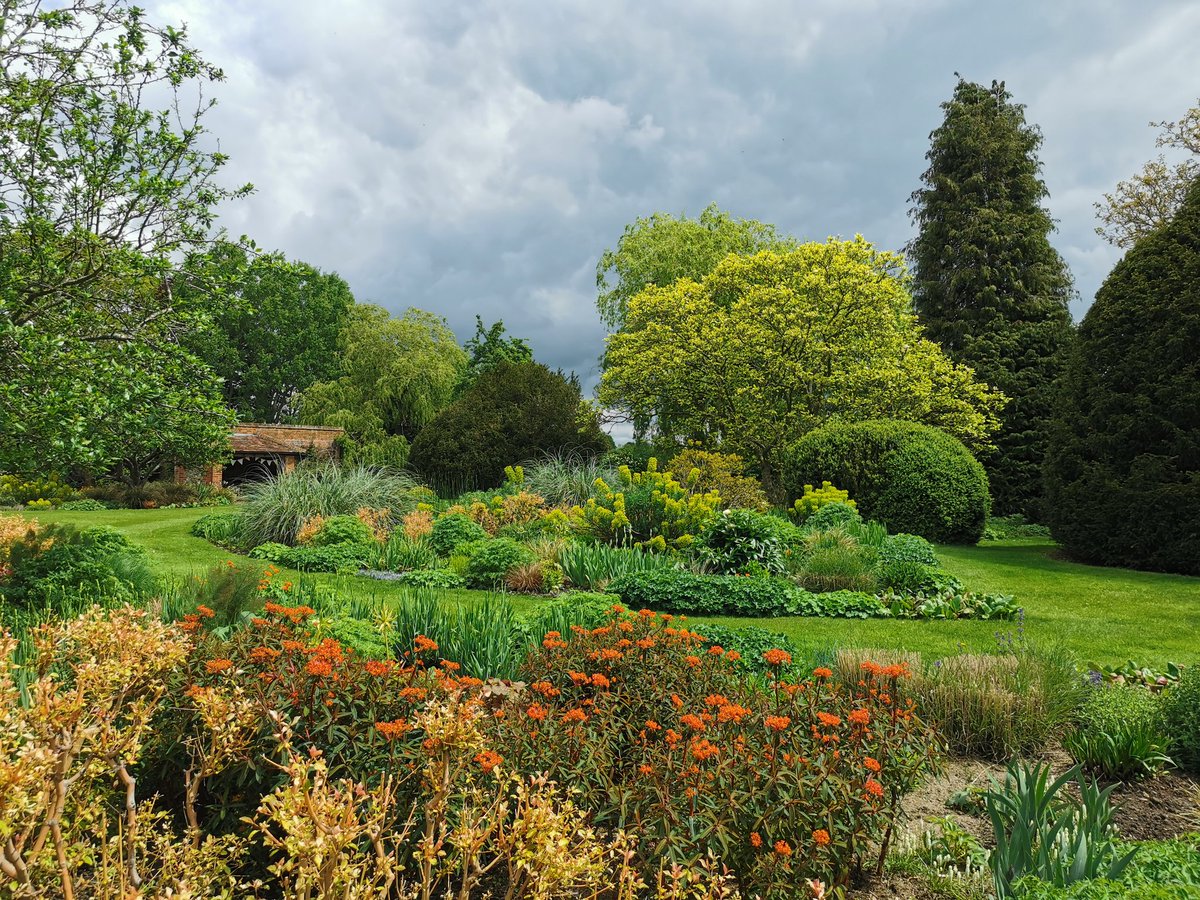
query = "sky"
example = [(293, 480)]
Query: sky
[(475, 157)]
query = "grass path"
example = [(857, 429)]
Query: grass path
[(1104, 615)]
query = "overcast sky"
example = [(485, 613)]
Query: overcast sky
[(477, 157)]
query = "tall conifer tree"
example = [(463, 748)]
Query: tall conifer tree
[(988, 285)]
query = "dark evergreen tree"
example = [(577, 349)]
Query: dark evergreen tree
[(1123, 471), (515, 412), (987, 284)]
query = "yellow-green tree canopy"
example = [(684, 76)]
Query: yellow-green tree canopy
[(770, 346)]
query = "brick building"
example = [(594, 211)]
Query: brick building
[(260, 451)]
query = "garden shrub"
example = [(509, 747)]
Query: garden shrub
[(1119, 733), (676, 591), (738, 538), (86, 505), (363, 638), (1181, 719), (651, 509), (331, 558), (227, 590), (720, 472), (913, 478), (850, 605), (61, 567), (834, 514), (218, 528), (17, 490), (751, 644), (910, 548), (833, 560), (905, 577), (451, 531), (1014, 527), (343, 530), (494, 559), (272, 553), (402, 553), (814, 498)]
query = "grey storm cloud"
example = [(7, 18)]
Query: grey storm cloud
[(477, 157)]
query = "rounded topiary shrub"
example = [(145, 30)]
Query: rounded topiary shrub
[(912, 478)]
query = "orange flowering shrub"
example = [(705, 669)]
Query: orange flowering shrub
[(653, 727), (418, 523)]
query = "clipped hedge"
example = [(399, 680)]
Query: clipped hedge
[(676, 591), (913, 478)]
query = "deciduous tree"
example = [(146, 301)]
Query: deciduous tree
[(107, 181), (770, 346), (1151, 198), (988, 285), (280, 339)]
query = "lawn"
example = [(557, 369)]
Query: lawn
[(1104, 615)]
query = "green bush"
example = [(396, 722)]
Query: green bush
[(84, 506), (16, 490), (585, 609), (452, 531), (906, 577), (332, 558), (1181, 719), (64, 567), (834, 560), (738, 538), (913, 478), (272, 553), (219, 528), (902, 547), (363, 637), (491, 561), (228, 590), (676, 591), (343, 530), (834, 514), (274, 510), (1160, 870)]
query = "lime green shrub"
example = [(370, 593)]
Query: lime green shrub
[(16, 490), (913, 478), (648, 509), (814, 498)]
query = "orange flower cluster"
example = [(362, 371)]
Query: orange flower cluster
[(820, 837), (422, 644), (488, 760), (214, 666), (295, 614), (392, 730), (777, 657), (777, 723)]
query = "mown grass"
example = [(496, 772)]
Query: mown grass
[(1103, 615)]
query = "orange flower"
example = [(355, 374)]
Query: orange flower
[(692, 661), (646, 643), (859, 717), (777, 723), (450, 666), (822, 672), (537, 712), (292, 646), (731, 712), (377, 668), (610, 654), (820, 837), (579, 677), (545, 688), (783, 848), (755, 839), (715, 650), (204, 612), (672, 737), (574, 716), (777, 658), (733, 656), (263, 655), (704, 749), (319, 666), (899, 671), (601, 681), (871, 764), (873, 788), (651, 725), (676, 701), (871, 668), (829, 719), (423, 644), (715, 700), (646, 614), (213, 666), (413, 694), (645, 769), (692, 721), (488, 760), (392, 730)]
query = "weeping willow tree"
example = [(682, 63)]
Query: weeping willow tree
[(396, 374)]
